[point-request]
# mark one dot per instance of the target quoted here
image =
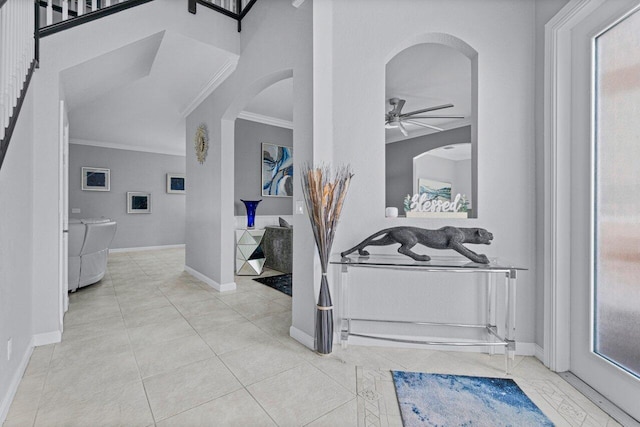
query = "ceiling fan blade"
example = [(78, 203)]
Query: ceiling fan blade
[(425, 110), (436, 117), (397, 104), (413, 122), (403, 129)]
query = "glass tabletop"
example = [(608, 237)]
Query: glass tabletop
[(436, 262)]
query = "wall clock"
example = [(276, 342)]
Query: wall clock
[(201, 143)]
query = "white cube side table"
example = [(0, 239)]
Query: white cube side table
[(249, 255)]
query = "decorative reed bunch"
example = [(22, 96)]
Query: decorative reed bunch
[(324, 194)]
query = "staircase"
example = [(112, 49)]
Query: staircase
[(17, 61), (23, 23)]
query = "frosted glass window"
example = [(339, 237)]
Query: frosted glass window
[(617, 195)]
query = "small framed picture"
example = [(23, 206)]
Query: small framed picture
[(175, 183), (138, 202), (96, 179)]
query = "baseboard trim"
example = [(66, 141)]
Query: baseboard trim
[(224, 287), (302, 337), (146, 248), (15, 383), (47, 338), (539, 353), (522, 348)]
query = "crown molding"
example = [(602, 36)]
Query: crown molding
[(116, 146), (215, 81), (267, 120)]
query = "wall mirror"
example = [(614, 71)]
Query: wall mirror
[(430, 128)]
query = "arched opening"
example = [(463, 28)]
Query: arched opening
[(259, 119)]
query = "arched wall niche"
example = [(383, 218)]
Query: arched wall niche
[(449, 135)]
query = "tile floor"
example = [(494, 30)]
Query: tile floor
[(151, 345)]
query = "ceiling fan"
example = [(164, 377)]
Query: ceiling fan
[(395, 118)]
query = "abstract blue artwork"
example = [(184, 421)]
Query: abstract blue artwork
[(458, 400), (277, 170)]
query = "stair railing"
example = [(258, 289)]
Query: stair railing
[(17, 61), (62, 14), (236, 9)]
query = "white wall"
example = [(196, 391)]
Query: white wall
[(502, 32), (66, 49), (17, 243), (276, 44)]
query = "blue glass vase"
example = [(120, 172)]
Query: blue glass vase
[(251, 206)]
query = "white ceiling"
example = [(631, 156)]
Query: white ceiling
[(426, 75), (136, 97), (455, 152)]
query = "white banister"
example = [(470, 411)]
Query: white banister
[(65, 10), (80, 7), (16, 54), (94, 5), (49, 12), (107, 3)]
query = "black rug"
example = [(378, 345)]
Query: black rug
[(281, 282)]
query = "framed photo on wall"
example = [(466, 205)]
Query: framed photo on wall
[(96, 179), (436, 190), (138, 202), (175, 183), (277, 170)]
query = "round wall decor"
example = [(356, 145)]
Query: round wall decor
[(201, 143)]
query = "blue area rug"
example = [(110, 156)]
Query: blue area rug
[(281, 282), (457, 400)]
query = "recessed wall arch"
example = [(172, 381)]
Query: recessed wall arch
[(439, 38), (469, 52), (252, 90)]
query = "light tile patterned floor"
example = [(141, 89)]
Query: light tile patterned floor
[(151, 345)]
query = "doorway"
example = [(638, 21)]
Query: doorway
[(590, 169)]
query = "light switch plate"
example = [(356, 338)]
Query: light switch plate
[(299, 207), (75, 210)]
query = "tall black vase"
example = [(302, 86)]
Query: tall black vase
[(324, 318)]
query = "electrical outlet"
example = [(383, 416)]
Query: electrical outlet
[(75, 210), (9, 348)]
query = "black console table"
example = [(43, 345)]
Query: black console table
[(490, 335)]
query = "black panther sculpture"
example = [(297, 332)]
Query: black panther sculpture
[(442, 238)]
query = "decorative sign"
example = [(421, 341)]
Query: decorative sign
[(423, 205)]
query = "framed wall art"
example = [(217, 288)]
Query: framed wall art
[(436, 190), (175, 183), (277, 170), (96, 179), (138, 202)]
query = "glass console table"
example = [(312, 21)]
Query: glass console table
[(490, 335)]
